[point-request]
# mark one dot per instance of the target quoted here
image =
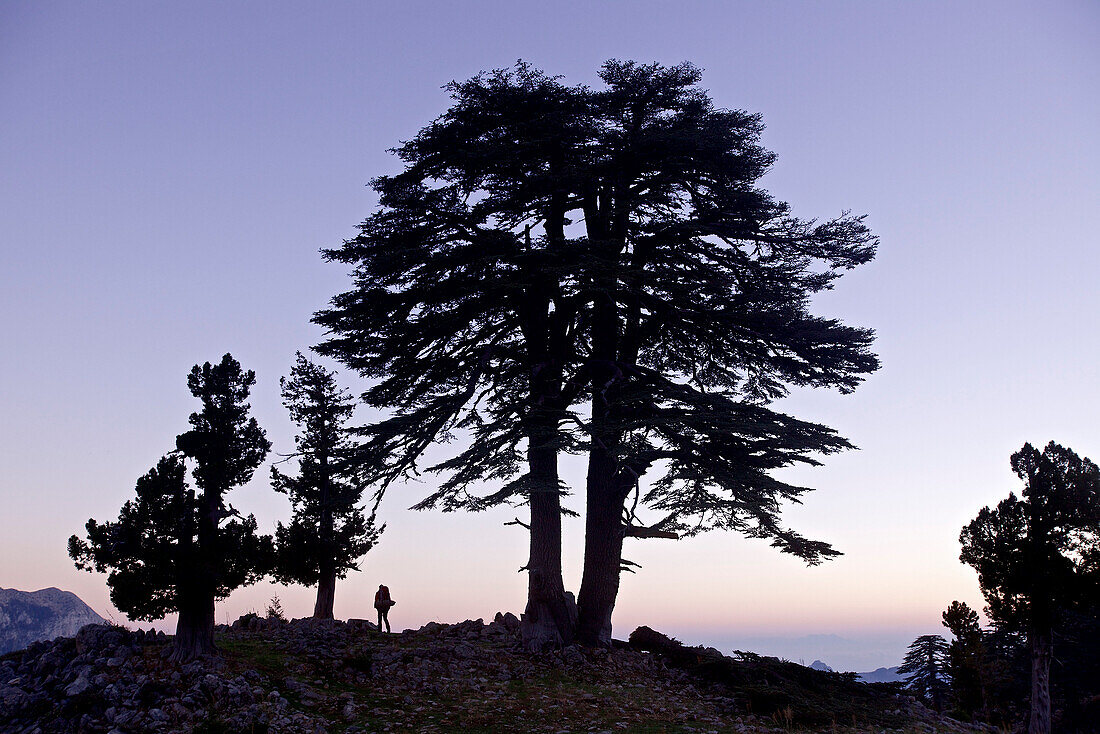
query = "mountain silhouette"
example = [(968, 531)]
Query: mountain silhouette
[(881, 675), (29, 616)]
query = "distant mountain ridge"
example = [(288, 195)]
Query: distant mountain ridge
[(882, 675), (29, 616), (879, 675)]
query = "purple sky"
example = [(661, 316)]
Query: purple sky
[(169, 171)]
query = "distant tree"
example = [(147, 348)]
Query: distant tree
[(962, 621), (965, 658), (274, 609), (1035, 555), (560, 269), (329, 531), (168, 551), (925, 669)]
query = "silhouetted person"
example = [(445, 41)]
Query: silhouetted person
[(382, 603)]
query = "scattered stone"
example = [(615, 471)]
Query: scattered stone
[(322, 675)]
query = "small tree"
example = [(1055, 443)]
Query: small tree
[(964, 658), (1035, 554), (925, 669), (274, 609), (329, 531), (168, 551)]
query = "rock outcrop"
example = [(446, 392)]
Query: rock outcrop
[(30, 616)]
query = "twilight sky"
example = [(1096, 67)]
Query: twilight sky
[(168, 173)]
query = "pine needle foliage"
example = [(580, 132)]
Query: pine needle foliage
[(461, 313), (668, 294), (142, 550)]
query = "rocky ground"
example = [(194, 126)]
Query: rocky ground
[(313, 676)]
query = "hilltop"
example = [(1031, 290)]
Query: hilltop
[(29, 616), (331, 676)]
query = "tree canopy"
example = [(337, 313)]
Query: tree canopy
[(226, 444), (1033, 552), (141, 549), (597, 271)]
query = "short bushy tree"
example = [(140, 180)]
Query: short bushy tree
[(329, 530), (170, 549)]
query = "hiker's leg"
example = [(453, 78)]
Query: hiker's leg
[(386, 616), (379, 620)]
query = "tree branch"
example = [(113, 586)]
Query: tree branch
[(640, 531)]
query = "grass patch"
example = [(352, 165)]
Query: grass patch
[(257, 654)]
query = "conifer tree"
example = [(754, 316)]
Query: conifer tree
[(169, 551), (965, 658), (700, 285), (329, 531), (925, 669), (560, 269), (464, 315), (1036, 555)]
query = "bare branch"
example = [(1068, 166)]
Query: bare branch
[(640, 531)]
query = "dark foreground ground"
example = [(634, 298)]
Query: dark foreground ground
[(310, 676)]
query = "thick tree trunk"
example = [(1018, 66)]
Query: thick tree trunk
[(326, 587), (326, 594), (604, 529), (603, 547), (551, 614), (194, 628), (550, 617), (1040, 644)]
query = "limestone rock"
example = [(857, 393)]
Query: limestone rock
[(30, 616)]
